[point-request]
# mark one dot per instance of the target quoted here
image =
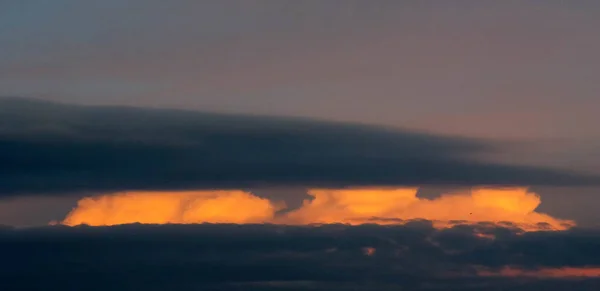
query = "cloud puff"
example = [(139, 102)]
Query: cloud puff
[(179, 207), (508, 207), (414, 256), (511, 206), (56, 148)]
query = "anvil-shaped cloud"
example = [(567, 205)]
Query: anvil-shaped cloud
[(57, 148)]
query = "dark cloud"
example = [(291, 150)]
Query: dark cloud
[(56, 148), (270, 257)]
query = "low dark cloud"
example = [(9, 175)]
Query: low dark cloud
[(270, 257), (58, 148)]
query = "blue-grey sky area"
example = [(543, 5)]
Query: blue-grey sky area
[(492, 68), (522, 73)]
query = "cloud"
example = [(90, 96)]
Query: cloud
[(178, 207), (414, 256), (511, 206), (57, 148), (507, 207)]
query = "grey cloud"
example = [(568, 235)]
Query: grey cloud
[(274, 257), (58, 148)]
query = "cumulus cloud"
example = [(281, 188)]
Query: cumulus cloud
[(57, 148), (505, 206), (179, 207), (415, 256), (392, 206)]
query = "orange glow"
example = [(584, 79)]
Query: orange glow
[(393, 206), (369, 251), (350, 206), (177, 207), (565, 272)]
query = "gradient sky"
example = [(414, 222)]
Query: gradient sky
[(501, 69), (507, 70), (279, 98)]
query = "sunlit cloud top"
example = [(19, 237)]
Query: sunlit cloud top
[(504, 207)]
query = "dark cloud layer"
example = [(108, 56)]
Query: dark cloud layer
[(57, 148), (269, 257)]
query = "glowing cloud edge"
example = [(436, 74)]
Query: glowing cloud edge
[(508, 207)]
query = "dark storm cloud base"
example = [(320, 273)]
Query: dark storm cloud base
[(270, 257), (57, 148)]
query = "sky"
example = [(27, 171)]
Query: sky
[(284, 114)]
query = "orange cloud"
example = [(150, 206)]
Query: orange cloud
[(564, 272), (350, 206), (391, 206), (178, 207), (369, 251)]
